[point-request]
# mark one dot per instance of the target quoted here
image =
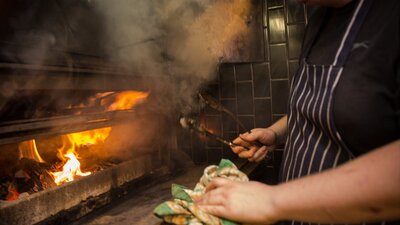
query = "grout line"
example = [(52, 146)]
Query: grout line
[(305, 13), (227, 99), (262, 98), (266, 36), (244, 81), (285, 11), (267, 50), (253, 94), (278, 43), (279, 79), (276, 7), (236, 94), (295, 23), (265, 28), (270, 92), (243, 115)]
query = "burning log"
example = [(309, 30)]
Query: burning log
[(35, 173), (4, 187), (30, 177)]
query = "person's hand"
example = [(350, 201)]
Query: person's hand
[(246, 202), (256, 153)]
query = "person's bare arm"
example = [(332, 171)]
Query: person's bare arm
[(363, 190), (366, 189), (280, 129)]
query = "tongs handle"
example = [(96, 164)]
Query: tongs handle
[(253, 143), (192, 124)]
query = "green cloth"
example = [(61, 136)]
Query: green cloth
[(182, 210)]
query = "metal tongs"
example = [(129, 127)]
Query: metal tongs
[(192, 124), (213, 103)]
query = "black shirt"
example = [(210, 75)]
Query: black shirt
[(366, 100)]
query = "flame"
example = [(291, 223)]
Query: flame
[(127, 99), (90, 137), (72, 166), (112, 100), (71, 169), (28, 150)]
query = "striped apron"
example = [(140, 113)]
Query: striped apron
[(313, 142)]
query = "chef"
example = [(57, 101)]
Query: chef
[(341, 161)]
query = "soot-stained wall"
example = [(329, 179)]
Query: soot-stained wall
[(256, 92)]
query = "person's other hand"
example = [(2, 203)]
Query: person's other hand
[(256, 153), (247, 202)]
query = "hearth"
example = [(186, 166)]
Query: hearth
[(61, 157)]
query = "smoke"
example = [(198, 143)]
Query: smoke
[(175, 46), (183, 40)]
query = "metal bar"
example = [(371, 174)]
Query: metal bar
[(15, 131), (14, 66), (52, 49), (42, 77)]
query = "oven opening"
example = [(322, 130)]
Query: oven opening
[(45, 162)]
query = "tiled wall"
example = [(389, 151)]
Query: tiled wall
[(256, 93)]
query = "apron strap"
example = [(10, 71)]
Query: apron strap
[(350, 35), (351, 32)]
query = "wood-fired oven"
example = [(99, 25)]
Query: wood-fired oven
[(91, 93), (75, 128)]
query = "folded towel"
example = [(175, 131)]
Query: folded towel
[(183, 211)]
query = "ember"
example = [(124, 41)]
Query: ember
[(12, 193)]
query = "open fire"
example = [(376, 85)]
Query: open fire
[(38, 174), (68, 155)]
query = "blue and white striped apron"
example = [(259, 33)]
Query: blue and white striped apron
[(313, 142)]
